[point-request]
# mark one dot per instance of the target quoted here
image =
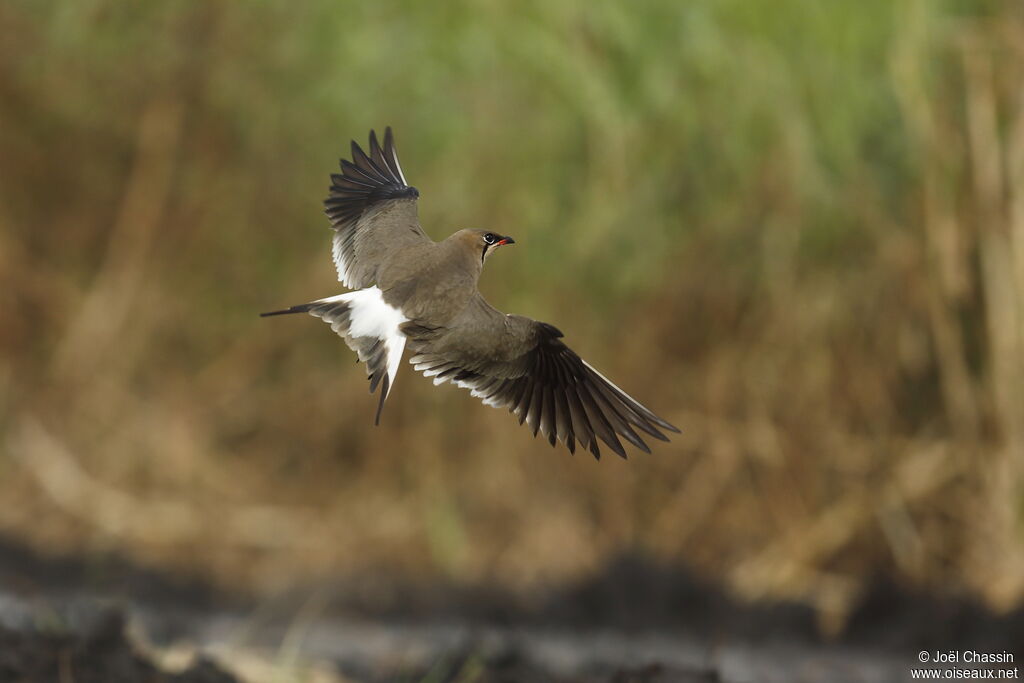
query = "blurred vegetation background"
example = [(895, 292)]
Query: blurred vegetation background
[(794, 229)]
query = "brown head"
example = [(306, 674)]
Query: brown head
[(480, 243)]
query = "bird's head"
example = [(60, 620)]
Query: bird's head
[(483, 242)]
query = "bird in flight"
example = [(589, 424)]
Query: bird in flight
[(410, 291)]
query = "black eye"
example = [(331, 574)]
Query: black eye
[(490, 238)]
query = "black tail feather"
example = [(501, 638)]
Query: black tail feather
[(301, 308), (385, 385)]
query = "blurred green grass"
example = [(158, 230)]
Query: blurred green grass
[(793, 228)]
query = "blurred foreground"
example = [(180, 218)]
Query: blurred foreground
[(633, 622), (795, 230)]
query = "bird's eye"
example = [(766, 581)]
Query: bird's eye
[(490, 238)]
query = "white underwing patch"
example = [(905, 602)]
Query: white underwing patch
[(373, 317)]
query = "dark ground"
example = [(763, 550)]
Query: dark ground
[(100, 654), (63, 619)]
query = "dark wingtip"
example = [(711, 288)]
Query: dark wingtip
[(616, 446), (356, 150), (663, 424), (373, 175)]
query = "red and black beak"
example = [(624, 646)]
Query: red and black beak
[(504, 240)]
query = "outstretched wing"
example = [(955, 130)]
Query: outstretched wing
[(513, 362), (373, 211)]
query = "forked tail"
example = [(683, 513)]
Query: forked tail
[(369, 326)]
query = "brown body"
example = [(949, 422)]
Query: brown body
[(435, 285)]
